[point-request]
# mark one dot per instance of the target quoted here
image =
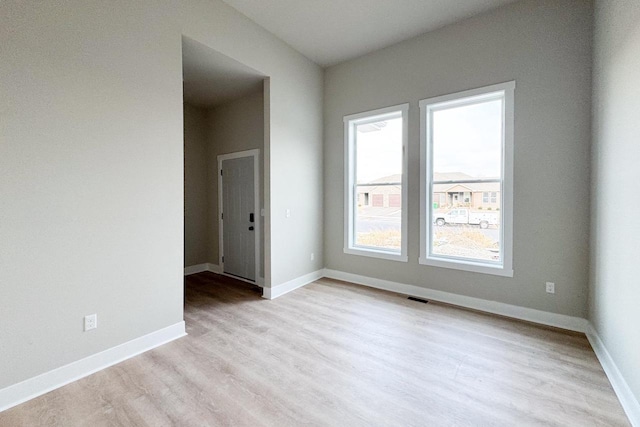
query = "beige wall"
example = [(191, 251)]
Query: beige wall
[(91, 168), (614, 293), (196, 188), (545, 46)]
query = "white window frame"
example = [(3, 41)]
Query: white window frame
[(350, 200), (506, 193)]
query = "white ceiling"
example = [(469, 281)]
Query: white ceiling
[(211, 78), (332, 31)]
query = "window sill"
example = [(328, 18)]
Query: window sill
[(372, 253), (471, 266)]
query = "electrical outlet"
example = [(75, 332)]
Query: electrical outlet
[(287, 213), (313, 256), (90, 322), (551, 288)]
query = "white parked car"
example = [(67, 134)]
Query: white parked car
[(464, 216)]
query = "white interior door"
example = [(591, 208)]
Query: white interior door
[(238, 217)]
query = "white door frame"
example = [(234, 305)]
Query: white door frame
[(256, 209)]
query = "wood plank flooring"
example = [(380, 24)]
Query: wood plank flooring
[(337, 354)]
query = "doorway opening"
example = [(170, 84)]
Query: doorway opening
[(225, 108)]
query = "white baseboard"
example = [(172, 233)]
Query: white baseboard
[(298, 282), (199, 268), (215, 268), (44, 383), (522, 313), (627, 399)]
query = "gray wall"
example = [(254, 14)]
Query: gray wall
[(232, 127), (91, 168), (614, 292), (196, 188), (545, 46)]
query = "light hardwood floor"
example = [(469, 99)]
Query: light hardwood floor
[(336, 354)]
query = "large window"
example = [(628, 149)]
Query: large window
[(375, 187), (467, 180)]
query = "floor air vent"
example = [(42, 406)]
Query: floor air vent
[(424, 301)]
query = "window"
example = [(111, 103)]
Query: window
[(467, 148), (491, 197), (376, 165)]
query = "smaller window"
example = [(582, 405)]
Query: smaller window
[(375, 188)]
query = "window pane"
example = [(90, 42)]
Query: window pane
[(466, 143), (379, 174)]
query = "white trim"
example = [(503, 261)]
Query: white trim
[(376, 253), (426, 193), (199, 268), (298, 282), (516, 312), (627, 399), (349, 181), (479, 92), (238, 278), (255, 154), (56, 378), (215, 268), (375, 115), (466, 265)]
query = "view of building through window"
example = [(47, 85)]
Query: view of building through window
[(466, 193), (466, 148), (378, 192)]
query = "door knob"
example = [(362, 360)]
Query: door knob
[(251, 228)]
